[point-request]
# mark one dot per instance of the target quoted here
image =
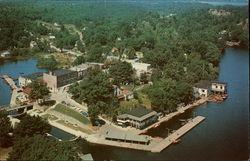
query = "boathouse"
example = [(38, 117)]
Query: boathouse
[(202, 89), (219, 87), (127, 138), (139, 118)]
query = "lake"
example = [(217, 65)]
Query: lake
[(222, 136)]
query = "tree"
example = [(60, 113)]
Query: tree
[(39, 147), (48, 63), (79, 60), (5, 129), (121, 72), (144, 78), (163, 95), (38, 90), (30, 126), (97, 92)]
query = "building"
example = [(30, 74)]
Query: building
[(6, 54), (141, 68), (59, 78), (125, 95), (25, 80), (139, 118), (127, 138), (81, 70), (219, 87), (202, 89), (95, 65)]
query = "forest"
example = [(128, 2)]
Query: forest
[(182, 41)]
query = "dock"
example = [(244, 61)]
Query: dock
[(10, 82), (177, 134)]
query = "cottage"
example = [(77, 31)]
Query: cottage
[(25, 80), (219, 87), (202, 89), (125, 95), (141, 68), (6, 54), (138, 118), (95, 65), (59, 78)]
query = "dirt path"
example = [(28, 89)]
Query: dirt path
[(4, 153)]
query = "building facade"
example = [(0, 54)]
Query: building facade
[(138, 118), (219, 87), (59, 78), (202, 89)]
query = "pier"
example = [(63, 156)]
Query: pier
[(9, 81), (177, 134)]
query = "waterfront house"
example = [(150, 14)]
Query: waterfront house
[(139, 118), (25, 80), (202, 89), (127, 138), (59, 78), (6, 54), (219, 87)]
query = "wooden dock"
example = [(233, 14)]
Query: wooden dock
[(177, 134), (10, 82)]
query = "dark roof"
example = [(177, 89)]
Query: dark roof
[(139, 112), (60, 72), (34, 76), (203, 84), (219, 82)]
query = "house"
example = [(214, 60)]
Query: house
[(219, 87), (59, 78), (139, 118), (141, 68), (113, 58), (81, 70), (33, 44), (125, 95), (6, 54), (114, 49), (26, 92), (202, 89), (127, 138), (25, 80)]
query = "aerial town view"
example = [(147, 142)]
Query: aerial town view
[(124, 80)]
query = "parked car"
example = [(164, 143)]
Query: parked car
[(85, 114)]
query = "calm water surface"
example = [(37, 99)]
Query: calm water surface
[(222, 136)]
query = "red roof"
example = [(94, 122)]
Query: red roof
[(27, 90), (127, 92)]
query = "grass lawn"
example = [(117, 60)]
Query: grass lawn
[(74, 127), (48, 116), (71, 113), (144, 99)]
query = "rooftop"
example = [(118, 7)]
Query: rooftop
[(126, 136), (34, 76), (60, 72), (203, 84), (216, 82), (139, 112)]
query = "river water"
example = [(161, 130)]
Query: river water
[(222, 136)]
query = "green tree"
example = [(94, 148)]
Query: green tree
[(30, 126), (38, 90), (5, 129), (79, 60), (48, 63), (39, 147), (121, 72)]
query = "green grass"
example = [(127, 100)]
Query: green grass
[(71, 113)]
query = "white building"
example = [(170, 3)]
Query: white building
[(219, 87), (25, 80), (6, 54), (141, 68), (202, 89)]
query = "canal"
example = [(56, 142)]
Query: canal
[(222, 136)]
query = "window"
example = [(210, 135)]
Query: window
[(216, 86), (203, 90), (221, 87)]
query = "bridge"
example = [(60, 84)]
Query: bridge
[(9, 81), (10, 108)]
